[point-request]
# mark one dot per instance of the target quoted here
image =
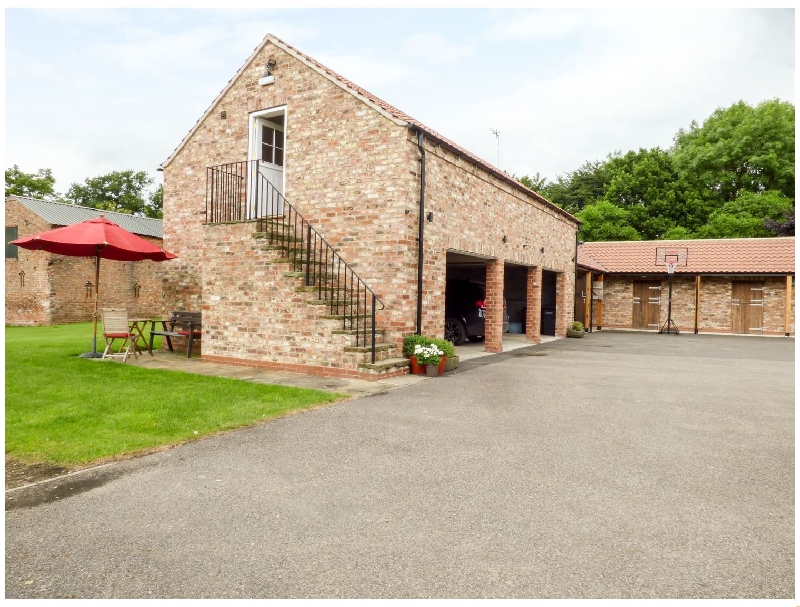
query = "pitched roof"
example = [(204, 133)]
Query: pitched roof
[(388, 110), (588, 262), (720, 256), (60, 214)]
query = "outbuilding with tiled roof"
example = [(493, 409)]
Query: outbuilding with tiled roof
[(736, 285)]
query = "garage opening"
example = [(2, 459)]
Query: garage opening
[(548, 324), (465, 295), (515, 291)]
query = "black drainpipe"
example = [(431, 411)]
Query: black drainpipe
[(576, 276), (421, 255)]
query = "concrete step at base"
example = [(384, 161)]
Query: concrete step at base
[(390, 365)]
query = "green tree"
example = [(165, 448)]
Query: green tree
[(606, 221), (648, 185), (121, 191), (740, 149), (33, 185), (535, 182), (748, 216), (583, 186), (157, 202)]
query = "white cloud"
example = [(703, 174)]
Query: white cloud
[(368, 69), (433, 48)]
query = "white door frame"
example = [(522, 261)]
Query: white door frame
[(255, 120)]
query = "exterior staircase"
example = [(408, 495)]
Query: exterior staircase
[(325, 311), (333, 303)]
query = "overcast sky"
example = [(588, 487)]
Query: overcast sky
[(92, 91)]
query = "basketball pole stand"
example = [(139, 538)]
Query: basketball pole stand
[(670, 326)]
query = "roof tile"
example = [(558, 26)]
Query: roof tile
[(720, 256)]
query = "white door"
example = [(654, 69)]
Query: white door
[(267, 146)]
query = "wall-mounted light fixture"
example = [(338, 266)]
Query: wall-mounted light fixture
[(268, 78), (541, 250), (430, 216), (88, 289), (223, 114), (505, 240), (22, 278), (136, 290)]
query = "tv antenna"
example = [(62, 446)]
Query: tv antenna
[(497, 135)]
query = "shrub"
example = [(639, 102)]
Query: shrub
[(445, 346), (409, 341), (577, 326)]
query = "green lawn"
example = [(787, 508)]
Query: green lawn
[(70, 411)]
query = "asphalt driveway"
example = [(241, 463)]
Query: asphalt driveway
[(621, 465)]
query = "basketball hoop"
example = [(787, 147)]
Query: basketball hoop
[(671, 266), (671, 257)]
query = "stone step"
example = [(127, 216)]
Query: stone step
[(313, 288), (390, 364), (368, 349), (342, 303), (380, 332)]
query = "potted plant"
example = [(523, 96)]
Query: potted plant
[(430, 356), (576, 330), (449, 359), (409, 342)]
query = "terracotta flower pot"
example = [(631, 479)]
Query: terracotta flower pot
[(443, 365), (416, 368)]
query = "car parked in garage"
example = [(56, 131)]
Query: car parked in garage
[(465, 311)]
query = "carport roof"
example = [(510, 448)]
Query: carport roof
[(720, 256)]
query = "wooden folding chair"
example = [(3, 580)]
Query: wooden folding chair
[(116, 326)]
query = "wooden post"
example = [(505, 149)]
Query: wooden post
[(696, 304), (600, 305), (587, 304), (787, 324)]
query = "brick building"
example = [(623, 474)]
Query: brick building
[(737, 285), (335, 167), (44, 289)]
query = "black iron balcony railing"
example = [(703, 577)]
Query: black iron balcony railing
[(239, 191)]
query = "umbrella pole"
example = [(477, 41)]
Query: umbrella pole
[(94, 353)]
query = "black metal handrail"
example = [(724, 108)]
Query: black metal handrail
[(238, 191)]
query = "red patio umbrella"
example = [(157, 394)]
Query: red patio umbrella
[(98, 238)]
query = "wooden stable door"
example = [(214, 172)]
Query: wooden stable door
[(646, 305), (747, 307)]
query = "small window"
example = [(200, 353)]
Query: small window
[(272, 145), (11, 249)]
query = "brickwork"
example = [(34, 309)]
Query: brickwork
[(775, 306), (27, 298), (354, 174), (683, 304), (715, 303), (472, 212), (617, 302), (54, 289), (533, 313), (253, 311), (494, 306)]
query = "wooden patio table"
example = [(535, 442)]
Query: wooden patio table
[(137, 326)]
